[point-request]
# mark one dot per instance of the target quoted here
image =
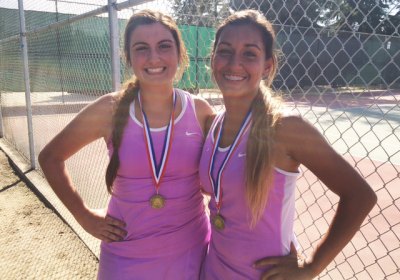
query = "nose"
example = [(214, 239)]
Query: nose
[(234, 61), (153, 56)]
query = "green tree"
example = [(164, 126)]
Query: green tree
[(303, 13), (199, 12), (370, 16), (391, 24), (359, 15)]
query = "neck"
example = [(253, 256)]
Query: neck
[(236, 109), (156, 95)]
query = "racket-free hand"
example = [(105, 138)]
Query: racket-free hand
[(284, 267), (102, 226)]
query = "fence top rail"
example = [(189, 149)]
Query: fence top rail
[(58, 24), (96, 12), (130, 3)]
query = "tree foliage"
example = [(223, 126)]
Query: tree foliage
[(199, 12), (370, 16), (290, 12)]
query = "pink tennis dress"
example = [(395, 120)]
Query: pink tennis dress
[(234, 249), (166, 243)]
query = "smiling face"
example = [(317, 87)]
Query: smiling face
[(153, 55), (239, 61)]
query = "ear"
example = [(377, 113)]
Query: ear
[(267, 67)]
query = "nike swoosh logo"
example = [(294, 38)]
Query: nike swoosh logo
[(241, 155), (190, 133)]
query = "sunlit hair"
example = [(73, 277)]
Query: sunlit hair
[(131, 87), (265, 116)]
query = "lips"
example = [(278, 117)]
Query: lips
[(157, 70), (232, 77)]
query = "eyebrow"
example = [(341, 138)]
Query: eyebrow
[(144, 43), (246, 45)]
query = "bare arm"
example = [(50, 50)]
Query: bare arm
[(305, 145), (93, 122), (204, 113)]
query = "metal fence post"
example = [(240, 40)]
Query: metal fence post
[(24, 49), (1, 121), (1, 87), (114, 43)]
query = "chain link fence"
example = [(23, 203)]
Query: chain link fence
[(339, 68)]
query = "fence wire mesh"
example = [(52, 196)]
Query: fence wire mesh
[(339, 68)]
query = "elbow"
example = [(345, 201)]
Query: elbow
[(372, 199), (366, 200), (360, 201), (44, 158)]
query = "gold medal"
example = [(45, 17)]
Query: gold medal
[(218, 222), (157, 201)]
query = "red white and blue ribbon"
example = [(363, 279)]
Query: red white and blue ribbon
[(216, 182), (158, 169)]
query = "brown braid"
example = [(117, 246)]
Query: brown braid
[(120, 120)]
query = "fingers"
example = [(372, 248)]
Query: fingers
[(279, 268), (118, 232), (266, 261), (293, 250), (105, 227), (280, 273), (114, 229), (110, 237), (115, 222), (277, 260)]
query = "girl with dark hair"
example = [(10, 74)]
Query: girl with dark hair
[(155, 226), (250, 163)]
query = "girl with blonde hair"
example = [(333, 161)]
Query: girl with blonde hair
[(251, 160)]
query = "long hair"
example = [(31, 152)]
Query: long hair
[(131, 88), (265, 115)]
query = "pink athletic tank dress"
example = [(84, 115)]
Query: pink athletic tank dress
[(234, 249), (167, 243)]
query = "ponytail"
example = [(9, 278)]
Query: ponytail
[(120, 119), (260, 151)]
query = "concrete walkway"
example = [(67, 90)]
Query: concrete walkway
[(35, 242)]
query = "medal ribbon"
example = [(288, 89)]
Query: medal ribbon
[(158, 169), (216, 183)]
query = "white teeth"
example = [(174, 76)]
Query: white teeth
[(234, 77), (155, 70)]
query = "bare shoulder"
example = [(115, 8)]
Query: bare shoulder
[(306, 145), (293, 121), (204, 112), (294, 127), (202, 106), (100, 111), (106, 103), (300, 138), (93, 122)]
